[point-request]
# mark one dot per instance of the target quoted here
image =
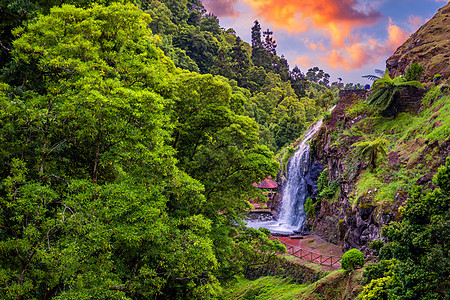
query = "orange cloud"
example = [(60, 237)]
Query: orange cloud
[(337, 21), (336, 17), (397, 37), (314, 46), (359, 54), (304, 62)]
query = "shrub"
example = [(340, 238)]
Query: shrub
[(377, 289), (352, 259), (326, 116), (376, 245), (379, 270), (414, 72)]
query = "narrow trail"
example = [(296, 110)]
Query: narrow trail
[(314, 249)]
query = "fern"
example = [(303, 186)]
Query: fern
[(386, 90), (371, 150)]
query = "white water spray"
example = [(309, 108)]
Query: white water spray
[(292, 215)]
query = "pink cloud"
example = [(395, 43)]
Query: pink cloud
[(357, 55), (415, 22), (221, 8)]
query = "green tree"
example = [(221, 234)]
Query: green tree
[(325, 100), (269, 44), (200, 46), (216, 145), (240, 61), (90, 184), (210, 23), (256, 35), (298, 82), (414, 263)]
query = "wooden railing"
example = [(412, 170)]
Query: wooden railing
[(312, 256)]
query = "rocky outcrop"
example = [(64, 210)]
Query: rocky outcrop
[(429, 46), (351, 224)]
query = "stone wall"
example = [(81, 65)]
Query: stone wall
[(360, 93)]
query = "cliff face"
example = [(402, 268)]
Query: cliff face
[(366, 200), (351, 223), (429, 46)]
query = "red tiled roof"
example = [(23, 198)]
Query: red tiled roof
[(266, 184)]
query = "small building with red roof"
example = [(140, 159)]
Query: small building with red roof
[(266, 184), (269, 188)]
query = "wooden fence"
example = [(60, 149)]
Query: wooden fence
[(312, 256)]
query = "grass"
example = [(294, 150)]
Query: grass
[(335, 283), (264, 288), (409, 135), (432, 123), (368, 183), (372, 185), (338, 284)]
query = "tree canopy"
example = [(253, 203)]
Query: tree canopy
[(121, 174)]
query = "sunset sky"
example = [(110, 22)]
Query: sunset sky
[(345, 38)]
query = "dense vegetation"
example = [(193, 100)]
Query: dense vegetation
[(414, 263), (122, 176), (131, 135)]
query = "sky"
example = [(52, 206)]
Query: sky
[(345, 38)]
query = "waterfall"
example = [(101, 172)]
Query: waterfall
[(292, 214)]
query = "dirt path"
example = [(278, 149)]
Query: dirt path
[(317, 245)]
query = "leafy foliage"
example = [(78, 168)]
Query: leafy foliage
[(371, 77), (121, 175), (386, 89), (415, 261), (352, 259), (371, 150), (414, 72)]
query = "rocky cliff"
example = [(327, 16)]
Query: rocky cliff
[(429, 46), (342, 219), (360, 201)]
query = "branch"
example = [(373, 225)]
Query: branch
[(6, 48), (60, 178)]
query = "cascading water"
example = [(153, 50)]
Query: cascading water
[(292, 215)]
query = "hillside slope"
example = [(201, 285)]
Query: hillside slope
[(429, 46), (363, 200)]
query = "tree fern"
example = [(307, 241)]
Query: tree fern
[(386, 90), (371, 150), (374, 77)]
